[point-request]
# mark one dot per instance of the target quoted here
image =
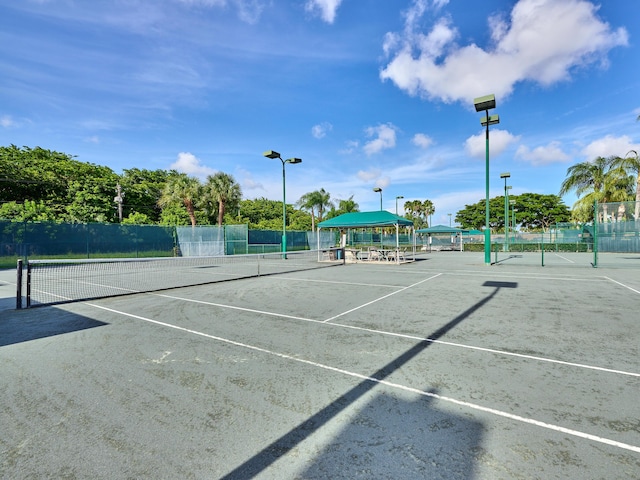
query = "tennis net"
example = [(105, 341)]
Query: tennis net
[(62, 281)]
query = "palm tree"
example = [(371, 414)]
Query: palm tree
[(222, 189), (348, 206), (632, 164), (180, 188), (428, 209), (419, 212), (323, 201), (307, 202), (316, 201), (600, 180)]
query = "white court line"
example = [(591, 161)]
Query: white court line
[(401, 335), (340, 283), (623, 285), (564, 258), (472, 406), (530, 276), (381, 298)]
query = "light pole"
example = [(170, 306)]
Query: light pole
[(513, 218), (397, 198), (449, 219), (484, 104), (378, 189), (273, 154), (506, 210)]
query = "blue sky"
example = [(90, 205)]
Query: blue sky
[(369, 93)]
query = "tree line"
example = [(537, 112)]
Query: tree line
[(43, 185)]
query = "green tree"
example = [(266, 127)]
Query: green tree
[(419, 212), (533, 212), (222, 190), (631, 164), (344, 206), (182, 189), (137, 218), (27, 211), (142, 189), (315, 202), (600, 180)]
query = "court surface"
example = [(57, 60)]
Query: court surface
[(442, 368)]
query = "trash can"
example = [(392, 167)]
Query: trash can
[(340, 253)]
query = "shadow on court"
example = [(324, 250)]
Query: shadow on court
[(23, 326), (416, 421)]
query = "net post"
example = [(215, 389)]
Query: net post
[(595, 234), (542, 246), (28, 285), (19, 285)]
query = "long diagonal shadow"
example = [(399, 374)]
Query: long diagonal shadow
[(271, 453)]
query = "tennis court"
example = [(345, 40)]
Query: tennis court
[(440, 368)]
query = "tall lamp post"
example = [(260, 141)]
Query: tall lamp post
[(449, 219), (378, 189), (513, 218), (274, 154), (484, 104), (506, 211), (397, 198)]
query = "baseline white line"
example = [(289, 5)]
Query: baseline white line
[(381, 298), (623, 285), (472, 406)]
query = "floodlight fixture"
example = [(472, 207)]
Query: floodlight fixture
[(485, 103), (271, 154), (493, 120)]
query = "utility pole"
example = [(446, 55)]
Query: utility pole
[(118, 199)]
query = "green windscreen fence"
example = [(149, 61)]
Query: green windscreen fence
[(618, 227), (51, 240), (37, 240)]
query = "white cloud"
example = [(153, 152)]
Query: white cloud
[(543, 155), (421, 140), (542, 41), (609, 146), (326, 8), (6, 121), (499, 140), (368, 176), (247, 181), (93, 139), (320, 130), (191, 165), (383, 182), (350, 147), (385, 138)]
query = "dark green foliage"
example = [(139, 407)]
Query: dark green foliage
[(533, 212)]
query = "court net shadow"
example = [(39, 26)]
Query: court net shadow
[(19, 326), (418, 422)]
